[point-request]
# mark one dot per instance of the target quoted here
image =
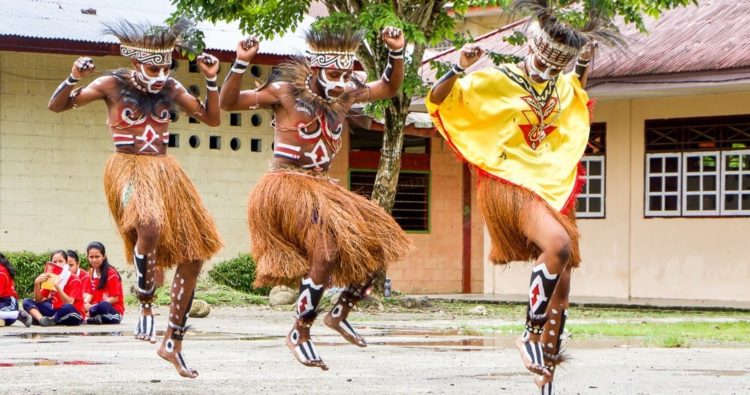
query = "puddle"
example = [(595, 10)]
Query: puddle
[(706, 372), (46, 362), (48, 335)]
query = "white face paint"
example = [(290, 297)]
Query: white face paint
[(545, 75), (329, 85), (151, 81)]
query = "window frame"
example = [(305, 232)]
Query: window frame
[(647, 185), (428, 198), (685, 194), (602, 214), (722, 179)]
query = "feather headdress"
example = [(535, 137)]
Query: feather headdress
[(147, 43), (332, 48), (298, 74), (557, 42)]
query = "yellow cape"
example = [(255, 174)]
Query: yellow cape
[(493, 121)]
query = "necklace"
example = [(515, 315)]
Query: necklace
[(136, 84)]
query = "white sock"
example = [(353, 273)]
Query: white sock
[(8, 315)]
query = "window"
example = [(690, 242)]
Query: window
[(235, 119), (256, 145), (192, 66), (214, 142), (698, 167), (174, 140), (590, 202), (411, 207), (234, 144), (735, 176)]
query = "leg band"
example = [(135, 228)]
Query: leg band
[(141, 271), (541, 287), (309, 300)]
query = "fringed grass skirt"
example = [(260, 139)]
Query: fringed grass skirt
[(504, 206), (293, 215), (148, 190)]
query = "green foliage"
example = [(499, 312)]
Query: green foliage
[(237, 273), (208, 291), (263, 18), (28, 266)]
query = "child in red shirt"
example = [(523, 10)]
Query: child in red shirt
[(75, 268), (106, 303), (9, 312), (64, 305)]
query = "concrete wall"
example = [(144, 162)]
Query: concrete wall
[(51, 165), (627, 255), (436, 264)]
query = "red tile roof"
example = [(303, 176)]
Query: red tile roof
[(715, 35)]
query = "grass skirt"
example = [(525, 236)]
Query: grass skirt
[(149, 190), (503, 206), (294, 214)]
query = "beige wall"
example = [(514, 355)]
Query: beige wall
[(627, 255), (436, 264), (51, 193)]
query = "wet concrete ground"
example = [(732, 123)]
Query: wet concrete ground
[(242, 351)]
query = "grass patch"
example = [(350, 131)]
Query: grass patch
[(213, 293), (669, 334), (657, 334)]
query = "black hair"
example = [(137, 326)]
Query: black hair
[(8, 266), (61, 252), (104, 269), (74, 255)]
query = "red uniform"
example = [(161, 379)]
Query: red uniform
[(113, 288), (74, 289), (85, 281), (7, 286)]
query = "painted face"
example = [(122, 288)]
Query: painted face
[(154, 76), (540, 72), (95, 258), (73, 264), (333, 81)]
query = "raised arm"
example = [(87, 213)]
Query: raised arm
[(393, 76), (470, 53), (207, 112), (232, 98), (64, 98), (583, 61)]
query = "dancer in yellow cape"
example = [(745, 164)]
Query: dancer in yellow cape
[(524, 128)]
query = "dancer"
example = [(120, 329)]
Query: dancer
[(156, 207), (524, 129), (302, 224)]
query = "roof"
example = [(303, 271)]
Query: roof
[(32, 22), (712, 36)]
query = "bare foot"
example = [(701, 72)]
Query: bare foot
[(304, 350), (343, 327), (168, 351), (546, 385), (532, 357)]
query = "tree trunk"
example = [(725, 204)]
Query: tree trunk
[(389, 167)]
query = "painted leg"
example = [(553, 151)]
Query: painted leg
[(298, 340), (311, 291), (336, 318), (542, 229), (144, 259), (553, 330), (182, 293)]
